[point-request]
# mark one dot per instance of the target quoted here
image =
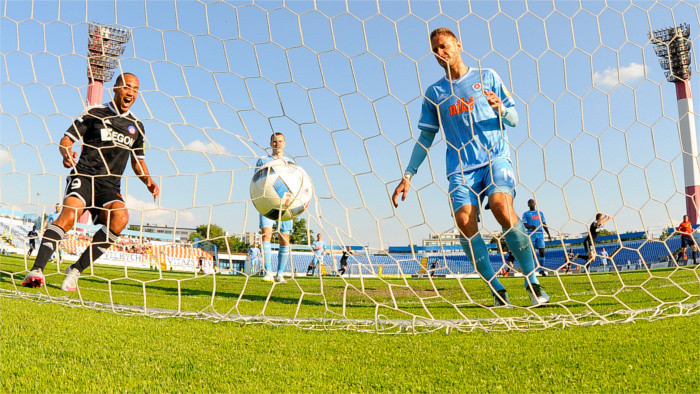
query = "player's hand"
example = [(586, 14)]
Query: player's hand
[(494, 100), (153, 188), (69, 158), (401, 189)]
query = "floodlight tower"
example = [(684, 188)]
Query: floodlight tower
[(105, 45), (672, 45)]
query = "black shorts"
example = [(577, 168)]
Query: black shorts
[(93, 191), (687, 240)]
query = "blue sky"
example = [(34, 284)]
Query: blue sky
[(344, 82)]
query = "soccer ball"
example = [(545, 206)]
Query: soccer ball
[(280, 191)]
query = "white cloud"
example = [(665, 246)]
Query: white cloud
[(4, 157), (611, 77), (149, 212), (206, 147)]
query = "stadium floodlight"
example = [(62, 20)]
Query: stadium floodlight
[(105, 45), (672, 45)]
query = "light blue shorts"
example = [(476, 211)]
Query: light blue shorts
[(285, 227), (475, 186), (537, 240)]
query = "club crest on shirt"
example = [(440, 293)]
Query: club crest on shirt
[(132, 130), (476, 86)]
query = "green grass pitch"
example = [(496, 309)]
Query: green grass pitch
[(52, 347)]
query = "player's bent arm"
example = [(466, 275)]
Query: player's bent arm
[(66, 149)]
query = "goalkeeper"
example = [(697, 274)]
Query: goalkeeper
[(285, 228), (110, 136), (472, 106)]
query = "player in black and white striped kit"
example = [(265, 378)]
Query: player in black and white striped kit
[(111, 135)]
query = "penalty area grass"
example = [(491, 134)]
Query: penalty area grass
[(55, 348)]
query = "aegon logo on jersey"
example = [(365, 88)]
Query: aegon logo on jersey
[(462, 106), (118, 138)]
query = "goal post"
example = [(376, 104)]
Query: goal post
[(345, 82)]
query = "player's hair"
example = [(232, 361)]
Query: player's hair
[(275, 134), (598, 216), (443, 31), (120, 78)]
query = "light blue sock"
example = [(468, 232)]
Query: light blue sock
[(519, 244), (283, 259), (267, 250), (483, 263)]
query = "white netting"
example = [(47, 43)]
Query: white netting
[(344, 83)]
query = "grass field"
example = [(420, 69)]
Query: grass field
[(52, 347)]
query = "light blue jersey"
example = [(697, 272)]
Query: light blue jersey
[(285, 227), (52, 217), (266, 159), (254, 253), (534, 218), (318, 247), (473, 131)]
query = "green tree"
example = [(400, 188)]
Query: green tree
[(216, 235), (299, 234)]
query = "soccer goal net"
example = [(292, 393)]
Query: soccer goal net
[(601, 130)]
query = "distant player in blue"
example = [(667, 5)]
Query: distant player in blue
[(254, 256), (53, 216), (536, 225), (277, 143), (319, 249), (472, 106)]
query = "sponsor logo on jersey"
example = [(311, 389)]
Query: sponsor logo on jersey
[(476, 86), (116, 137), (132, 130), (462, 106)]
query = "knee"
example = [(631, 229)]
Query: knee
[(118, 220)]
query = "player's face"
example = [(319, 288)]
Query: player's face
[(58, 208), (531, 204), (686, 218), (277, 143), (446, 49), (125, 93)]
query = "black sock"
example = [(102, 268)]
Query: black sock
[(694, 257), (97, 248), (51, 237)]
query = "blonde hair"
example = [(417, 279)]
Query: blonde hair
[(442, 31)]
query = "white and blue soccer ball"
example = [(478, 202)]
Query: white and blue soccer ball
[(281, 191)]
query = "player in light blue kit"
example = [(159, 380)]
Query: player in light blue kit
[(254, 256), (53, 216), (277, 143), (473, 107), (319, 248), (536, 225)]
